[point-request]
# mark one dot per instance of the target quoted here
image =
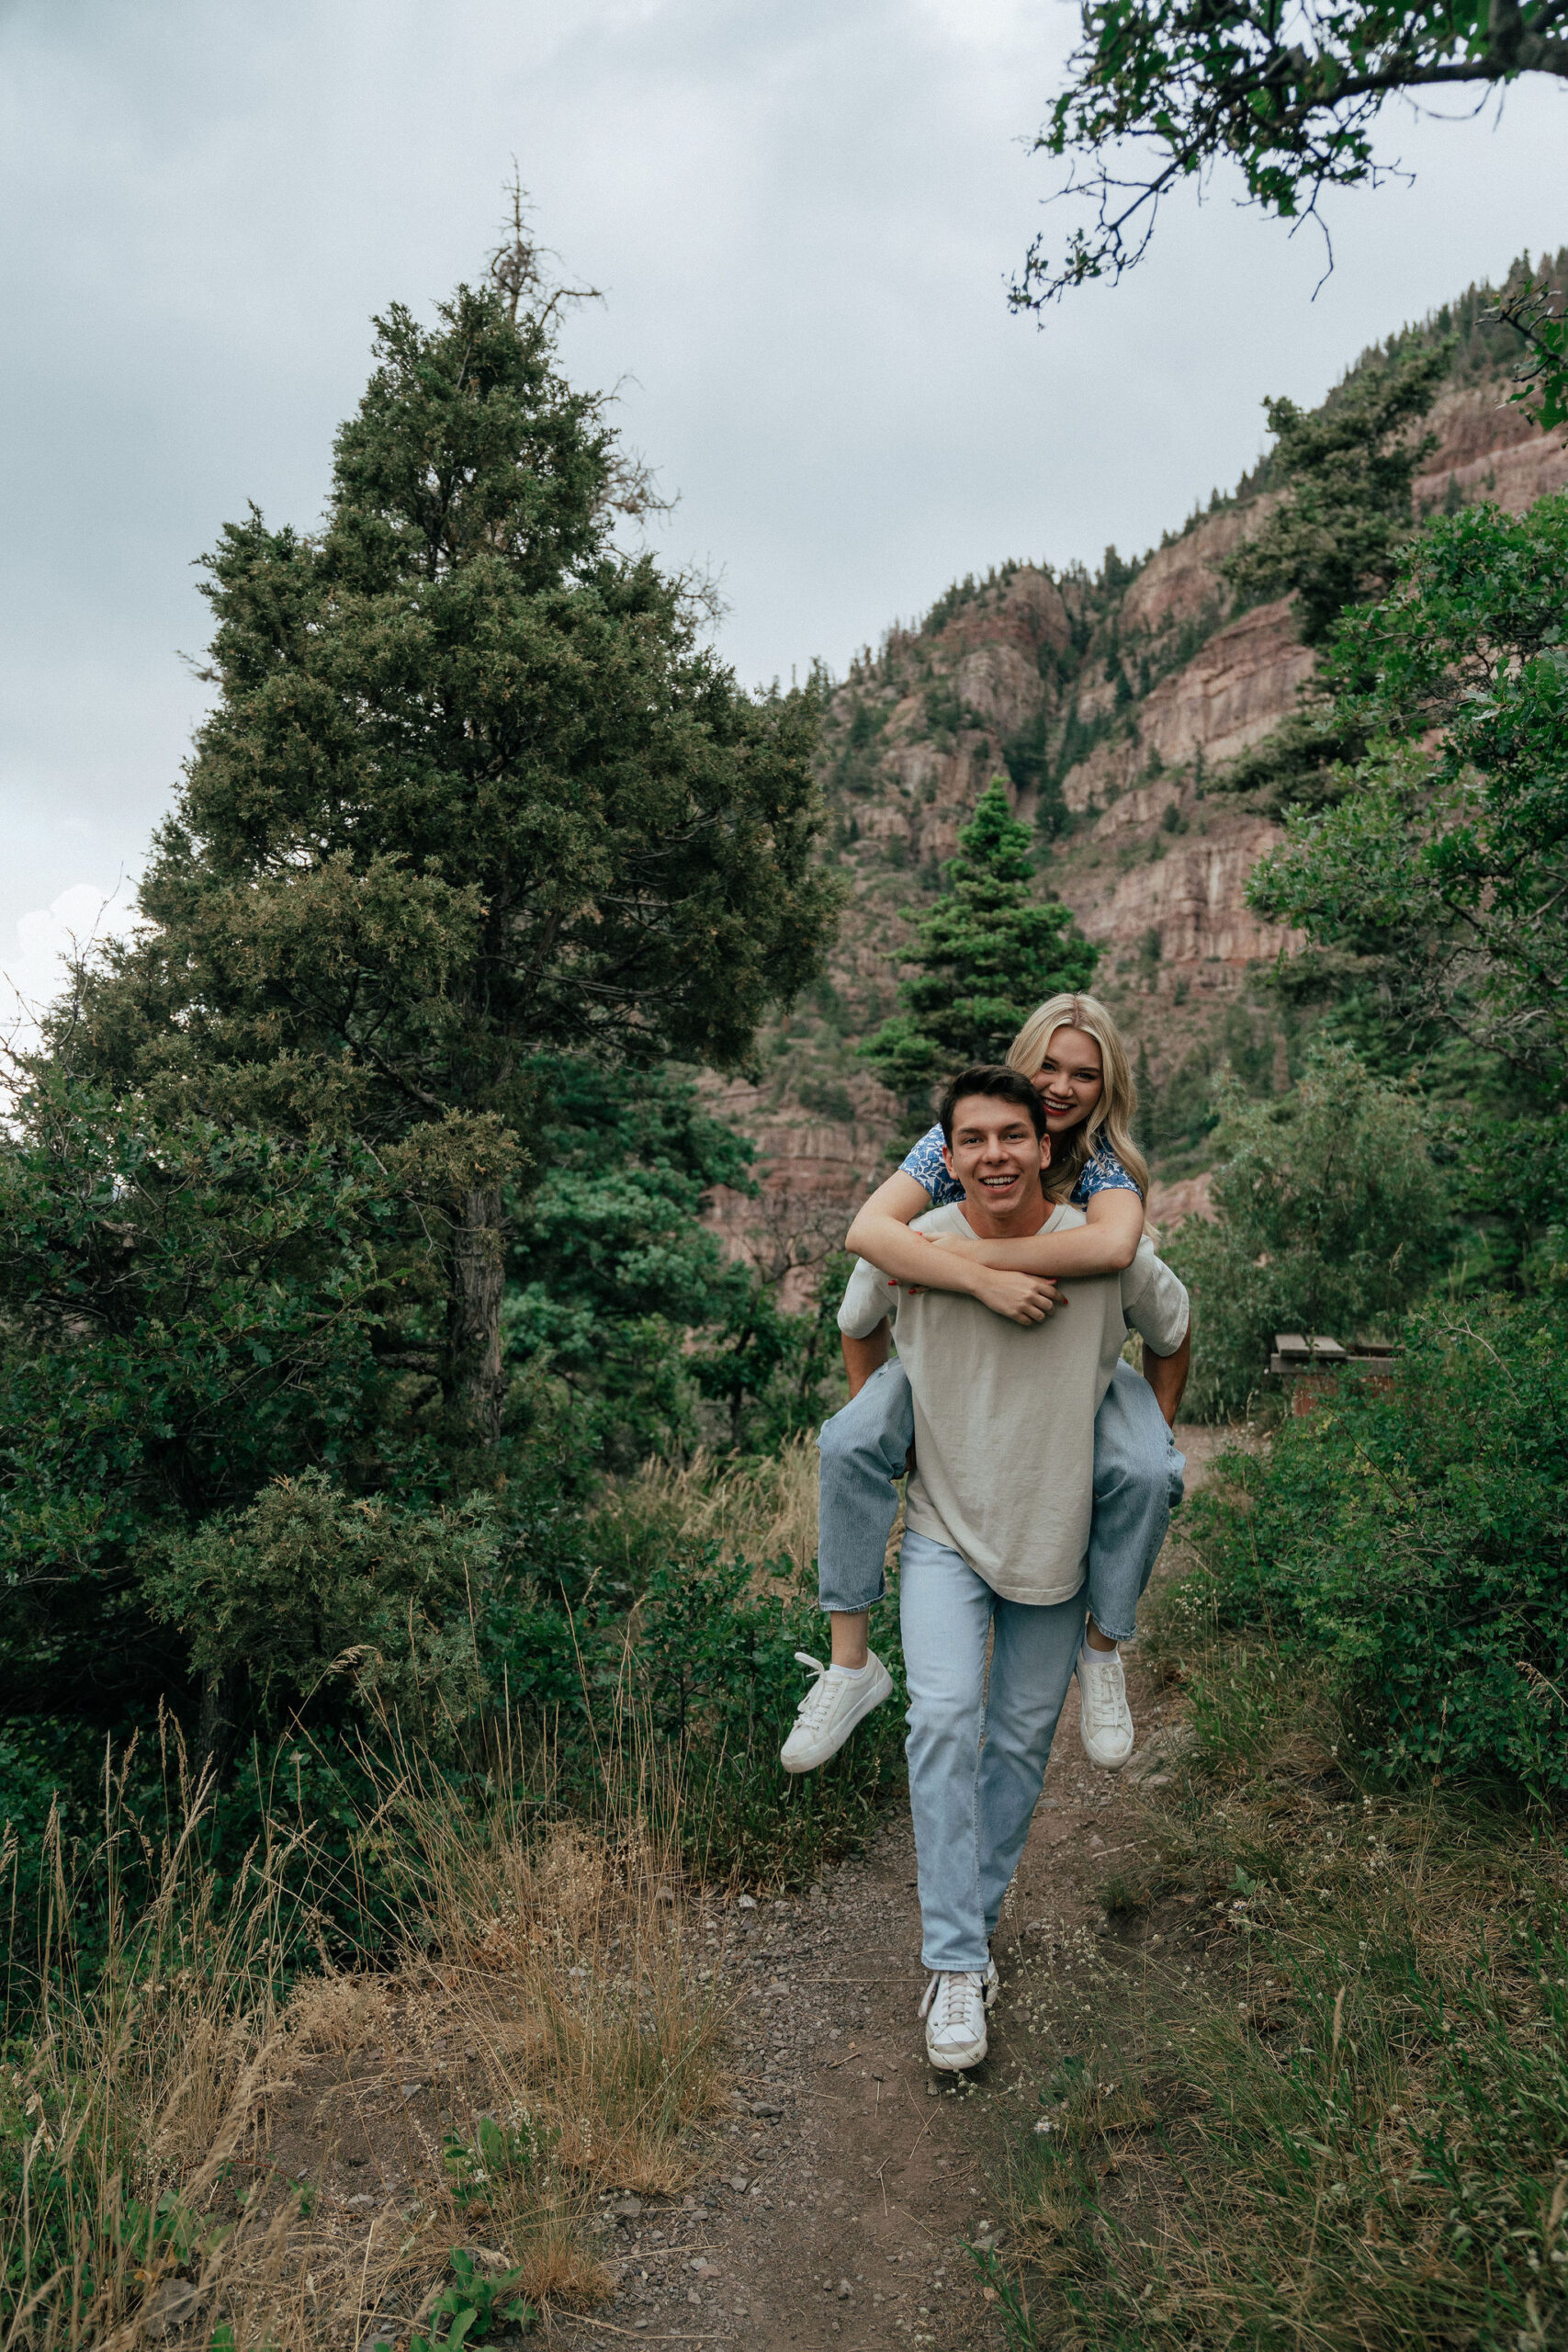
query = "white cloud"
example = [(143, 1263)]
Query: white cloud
[(33, 973)]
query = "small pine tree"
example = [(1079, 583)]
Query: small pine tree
[(988, 953)]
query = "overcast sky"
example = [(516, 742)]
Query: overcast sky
[(804, 217)]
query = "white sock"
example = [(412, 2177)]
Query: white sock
[(853, 1673), (1099, 1657)]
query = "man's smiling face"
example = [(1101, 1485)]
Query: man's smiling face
[(995, 1155)]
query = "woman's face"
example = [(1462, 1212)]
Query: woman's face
[(1069, 1079)]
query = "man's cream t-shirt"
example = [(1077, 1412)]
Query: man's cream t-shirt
[(1004, 1412)]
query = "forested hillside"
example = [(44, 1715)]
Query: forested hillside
[(1115, 704)]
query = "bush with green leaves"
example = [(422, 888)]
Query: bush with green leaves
[(222, 1493), (311, 1583), (476, 2304), (1414, 1534), (704, 1666), (1330, 1217), (188, 1310)]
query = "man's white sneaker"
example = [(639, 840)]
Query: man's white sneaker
[(1105, 1720), (836, 1701), (955, 2012)]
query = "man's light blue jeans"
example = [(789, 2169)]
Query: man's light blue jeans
[(1137, 1484), (979, 1745)]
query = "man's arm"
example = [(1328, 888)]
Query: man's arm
[(1155, 1303), (1167, 1375), (862, 1357)]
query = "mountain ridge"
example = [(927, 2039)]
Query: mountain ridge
[(1106, 701)]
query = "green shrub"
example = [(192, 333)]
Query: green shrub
[(1331, 1215), (186, 1311), (311, 1583), (705, 1665), (1415, 1535), (673, 1645)]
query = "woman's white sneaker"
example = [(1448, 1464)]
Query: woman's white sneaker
[(955, 2012), (1105, 1720), (836, 1701)]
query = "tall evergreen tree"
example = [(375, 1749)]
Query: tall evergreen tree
[(988, 953), (473, 794)]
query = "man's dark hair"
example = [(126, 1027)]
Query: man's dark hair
[(998, 1084)]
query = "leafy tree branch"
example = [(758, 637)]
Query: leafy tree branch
[(1160, 91)]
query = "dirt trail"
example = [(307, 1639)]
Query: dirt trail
[(836, 2213)]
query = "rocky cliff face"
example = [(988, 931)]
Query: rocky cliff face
[(1107, 702)]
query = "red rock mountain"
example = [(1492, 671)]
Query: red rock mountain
[(1105, 702)]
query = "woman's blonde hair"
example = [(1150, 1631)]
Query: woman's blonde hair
[(1110, 1121)]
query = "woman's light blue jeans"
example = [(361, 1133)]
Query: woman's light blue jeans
[(1137, 1484), (978, 1744)]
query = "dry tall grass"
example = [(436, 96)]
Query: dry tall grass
[(565, 1952), (138, 2087), (183, 2120), (763, 1509)]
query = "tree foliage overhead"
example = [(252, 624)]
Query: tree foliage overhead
[(1160, 90), (988, 953)]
